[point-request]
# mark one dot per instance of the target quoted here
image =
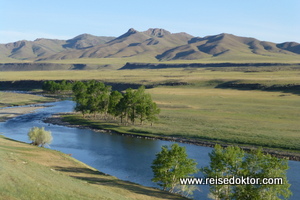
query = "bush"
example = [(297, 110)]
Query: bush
[(39, 136)]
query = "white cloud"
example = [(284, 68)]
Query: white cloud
[(8, 36)]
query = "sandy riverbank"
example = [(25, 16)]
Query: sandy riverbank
[(8, 113), (57, 119)]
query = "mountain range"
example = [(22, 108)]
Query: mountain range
[(158, 44)]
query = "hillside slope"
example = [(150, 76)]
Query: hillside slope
[(32, 50), (223, 45), (30, 172), (131, 43)]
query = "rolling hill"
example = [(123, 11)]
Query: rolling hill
[(224, 45), (132, 43), (33, 50), (157, 44)]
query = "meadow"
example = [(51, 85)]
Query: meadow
[(195, 107), (8, 99)]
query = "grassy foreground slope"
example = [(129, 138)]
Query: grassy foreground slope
[(30, 172)]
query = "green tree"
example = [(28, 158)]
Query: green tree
[(171, 164), (234, 162), (121, 108), (259, 165), (80, 97), (39, 136), (143, 101), (98, 97), (151, 112), (126, 106), (223, 164), (114, 99)]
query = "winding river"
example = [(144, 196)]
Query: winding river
[(127, 158)]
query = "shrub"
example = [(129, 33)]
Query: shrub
[(39, 136)]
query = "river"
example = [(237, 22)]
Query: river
[(127, 158)]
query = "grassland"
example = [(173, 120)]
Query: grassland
[(237, 57), (15, 99), (29, 172), (202, 111), (190, 75)]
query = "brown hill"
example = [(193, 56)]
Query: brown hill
[(290, 46), (132, 43), (225, 45), (85, 41), (31, 50), (153, 43)]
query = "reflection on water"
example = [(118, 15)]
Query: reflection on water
[(124, 157)]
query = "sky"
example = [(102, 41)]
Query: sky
[(269, 20)]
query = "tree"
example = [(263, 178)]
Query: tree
[(143, 103), (170, 165), (234, 162), (151, 112), (223, 164), (259, 165), (39, 136), (98, 97), (80, 97), (114, 99)]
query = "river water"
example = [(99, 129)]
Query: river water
[(127, 158)]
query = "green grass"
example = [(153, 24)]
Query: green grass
[(158, 76), (15, 99), (29, 172), (268, 119)]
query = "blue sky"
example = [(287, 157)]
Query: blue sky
[(270, 20)]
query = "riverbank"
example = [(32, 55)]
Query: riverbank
[(41, 173), (9, 113), (17, 98), (59, 119)]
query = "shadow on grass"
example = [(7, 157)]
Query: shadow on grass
[(99, 178), (287, 88), (77, 120), (6, 138)]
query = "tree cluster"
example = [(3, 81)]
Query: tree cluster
[(94, 97), (171, 164), (234, 162), (56, 87)]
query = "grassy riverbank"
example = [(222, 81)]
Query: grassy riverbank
[(8, 99), (29, 172), (245, 117)]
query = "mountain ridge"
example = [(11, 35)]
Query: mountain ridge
[(156, 43)]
